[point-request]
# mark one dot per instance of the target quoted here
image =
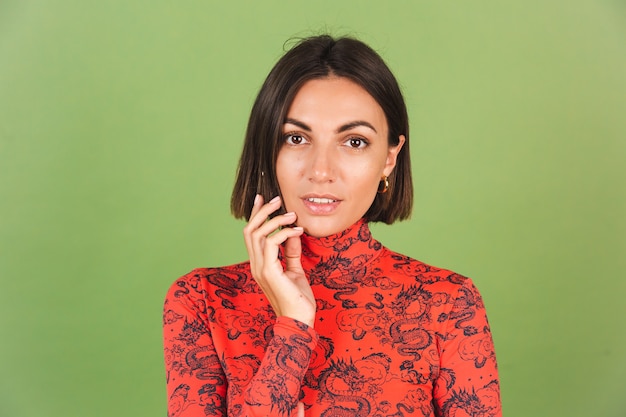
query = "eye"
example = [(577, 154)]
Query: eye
[(357, 143), (293, 139)]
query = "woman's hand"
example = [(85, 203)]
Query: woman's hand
[(288, 290)]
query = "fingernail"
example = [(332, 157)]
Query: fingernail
[(298, 228), (256, 199), (275, 199), (290, 214)]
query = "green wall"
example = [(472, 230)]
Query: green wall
[(120, 127)]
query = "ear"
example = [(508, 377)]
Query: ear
[(392, 156)]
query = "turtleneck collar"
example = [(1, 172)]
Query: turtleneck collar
[(351, 248)]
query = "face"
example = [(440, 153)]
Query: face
[(334, 153)]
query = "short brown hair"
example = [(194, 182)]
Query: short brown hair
[(314, 58)]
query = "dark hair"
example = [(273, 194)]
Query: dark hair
[(314, 58)]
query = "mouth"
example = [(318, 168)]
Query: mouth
[(321, 204), (317, 200)]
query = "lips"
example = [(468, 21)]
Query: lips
[(321, 204)]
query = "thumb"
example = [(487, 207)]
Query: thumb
[(293, 252), (300, 410)]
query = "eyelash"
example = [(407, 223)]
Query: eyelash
[(364, 142), (288, 136)]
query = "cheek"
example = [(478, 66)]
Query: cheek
[(364, 181), (363, 185), (365, 173), (287, 173), (281, 170)]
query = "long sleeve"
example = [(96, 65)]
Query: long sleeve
[(393, 337), (468, 375), (196, 382), (275, 388), (203, 379)]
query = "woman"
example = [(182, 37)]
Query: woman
[(323, 320)]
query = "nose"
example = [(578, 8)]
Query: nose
[(322, 164)]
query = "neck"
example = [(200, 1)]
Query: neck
[(344, 250)]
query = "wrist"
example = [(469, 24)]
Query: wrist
[(308, 320)]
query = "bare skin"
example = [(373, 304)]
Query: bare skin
[(288, 291), (335, 152)]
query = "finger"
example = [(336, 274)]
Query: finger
[(257, 240), (274, 224), (256, 206), (272, 244), (260, 224), (260, 213), (258, 217), (293, 252), (259, 236)]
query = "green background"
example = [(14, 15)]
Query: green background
[(120, 128)]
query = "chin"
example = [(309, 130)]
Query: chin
[(323, 227)]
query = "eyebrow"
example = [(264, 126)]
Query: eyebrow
[(341, 129)]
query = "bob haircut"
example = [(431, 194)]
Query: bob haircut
[(311, 58)]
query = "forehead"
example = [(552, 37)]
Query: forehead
[(334, 101)]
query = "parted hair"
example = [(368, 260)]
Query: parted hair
[(311, 58)]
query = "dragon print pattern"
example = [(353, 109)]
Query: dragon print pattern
[(393, 337)]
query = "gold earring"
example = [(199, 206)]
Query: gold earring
[(383, 185)]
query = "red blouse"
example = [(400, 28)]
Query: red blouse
[(392, 337)]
